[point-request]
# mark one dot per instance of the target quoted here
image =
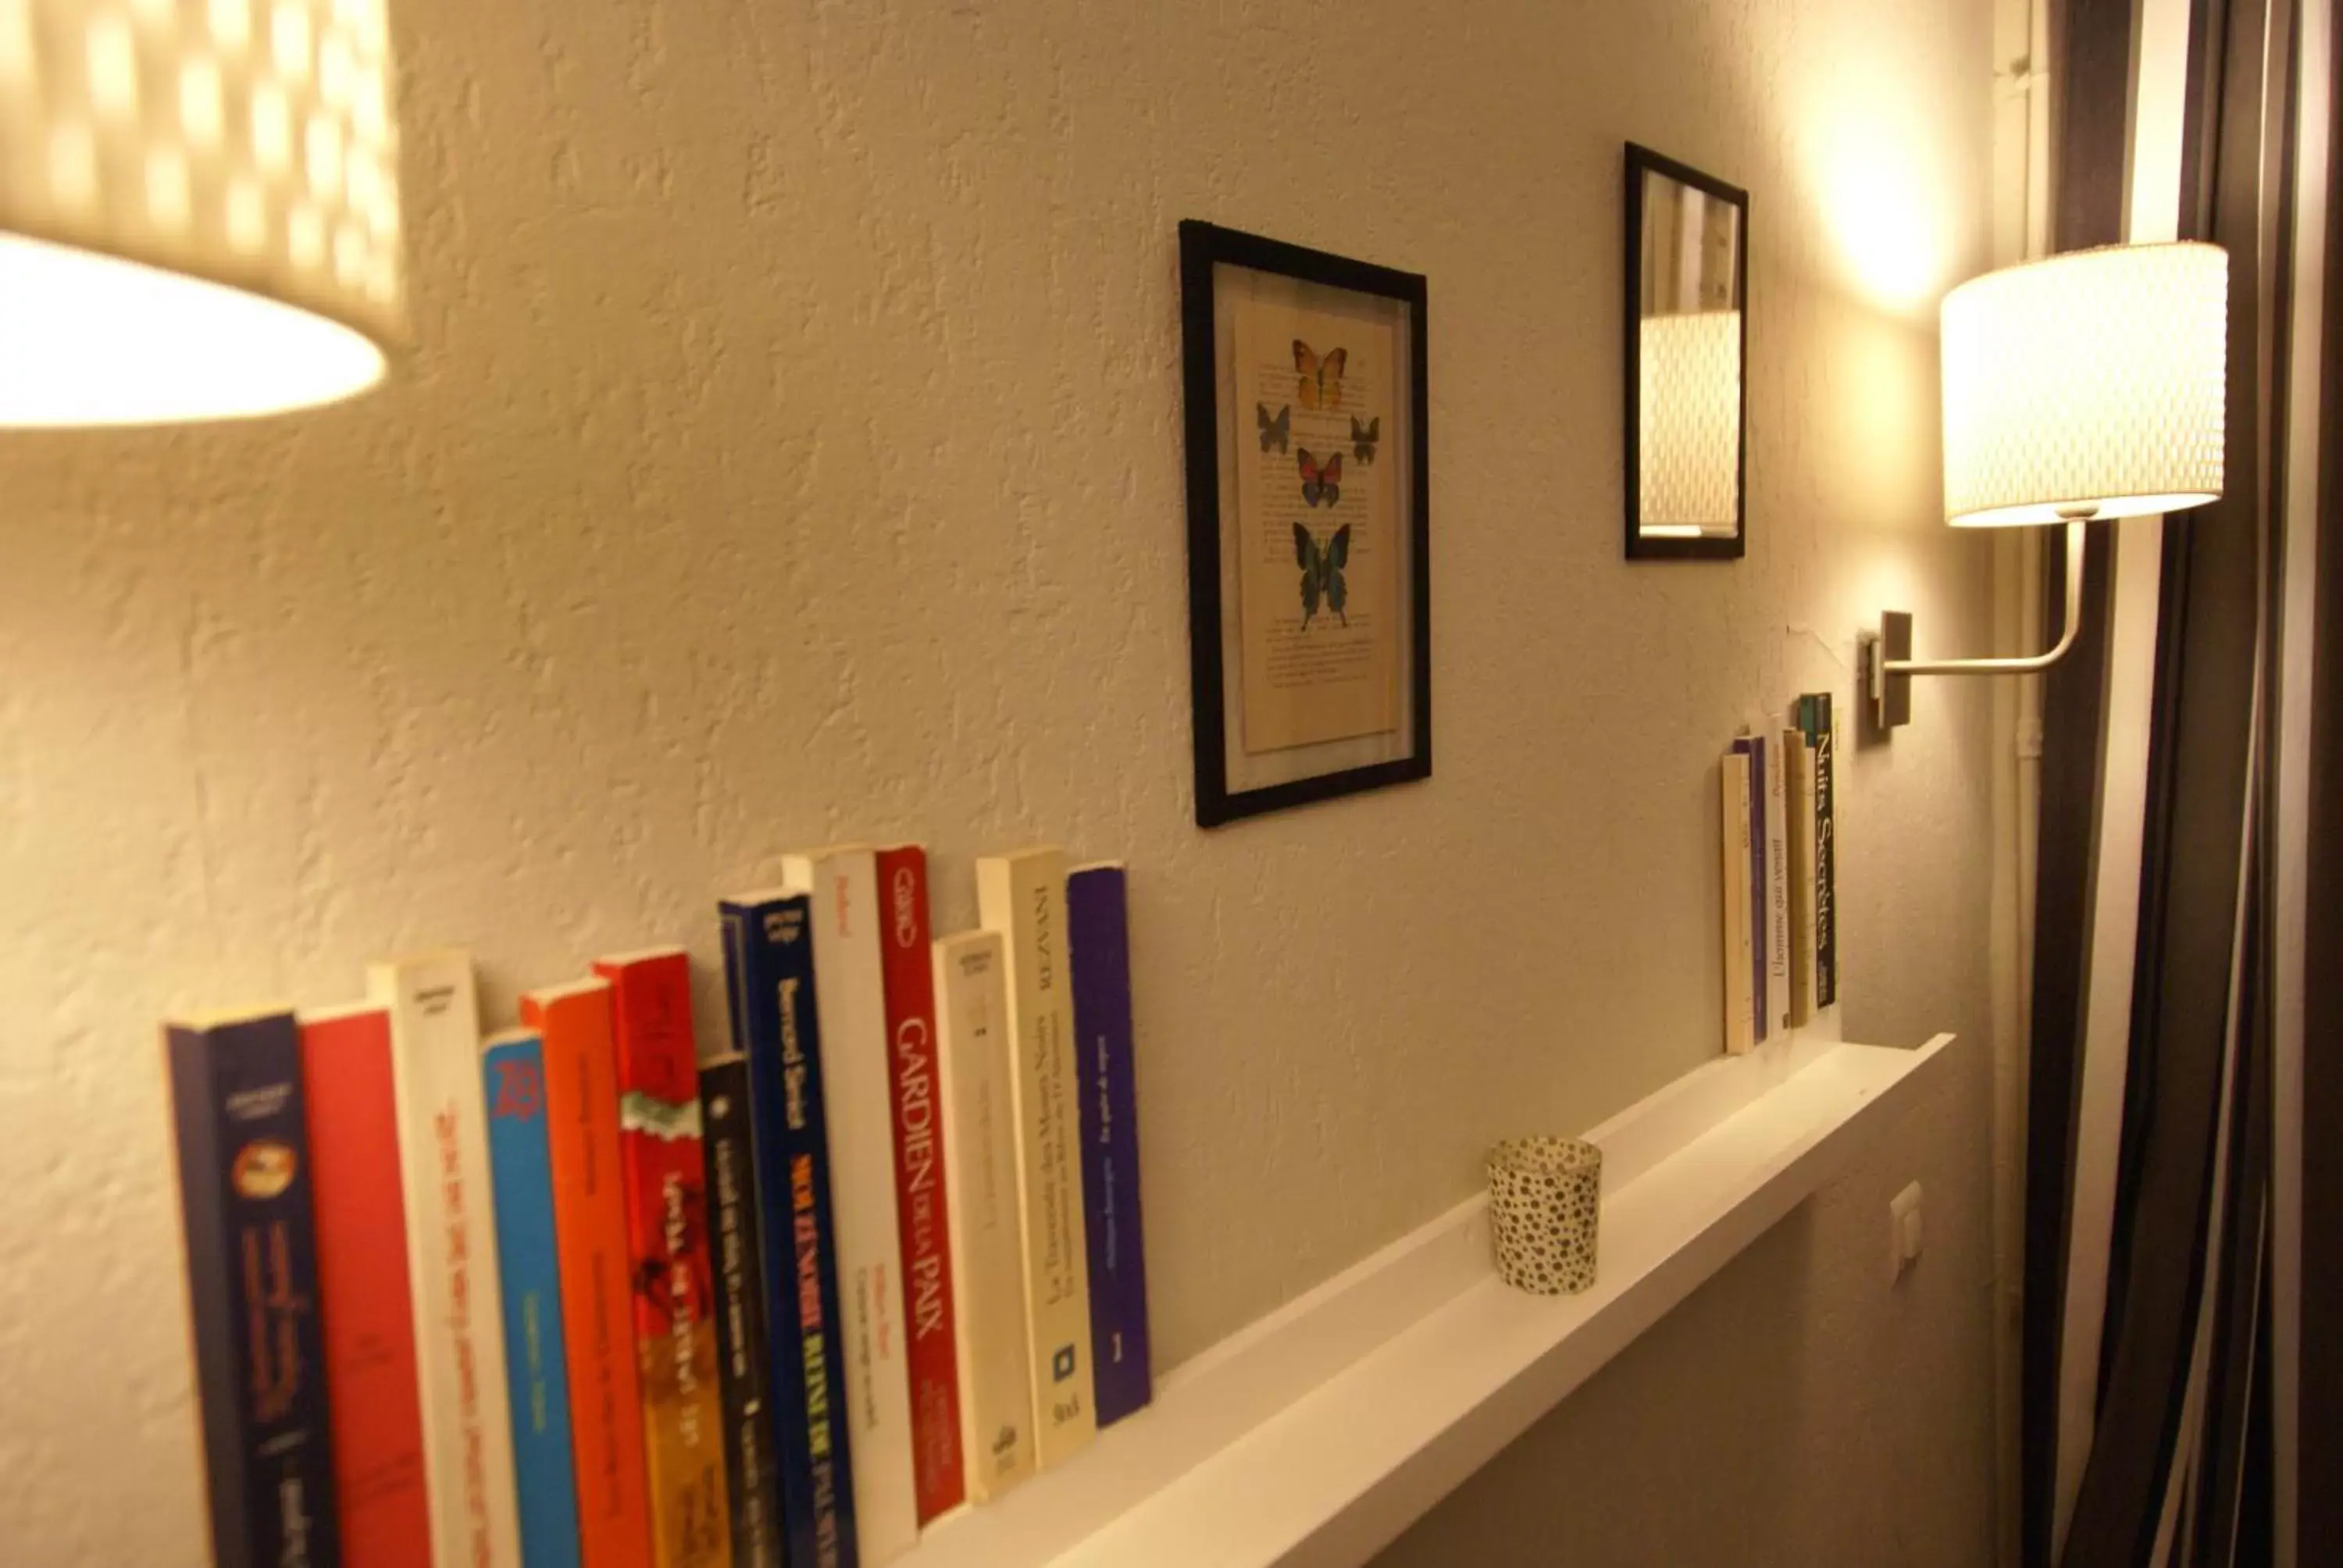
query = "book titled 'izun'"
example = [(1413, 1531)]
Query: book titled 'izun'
[(252, 1283)]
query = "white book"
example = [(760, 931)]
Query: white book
[(451, 1255), (858, 1100), (1740, 951), (973, 1068), (1023, 897), (1777, 880)]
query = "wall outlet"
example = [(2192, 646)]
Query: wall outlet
[(1903, 1230)]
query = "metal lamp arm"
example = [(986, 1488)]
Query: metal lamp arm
[(2074, 624), (1888, 679)]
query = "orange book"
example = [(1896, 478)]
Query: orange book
[(667, 1208), (361, 1227), (589, 1225)]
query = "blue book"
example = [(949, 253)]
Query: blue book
[(1098, 946), (769, 983), (537, 1368), (242, 1126)]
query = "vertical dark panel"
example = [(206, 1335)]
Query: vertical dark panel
[(2201, 768), (2319, 1454), (2091, 50)]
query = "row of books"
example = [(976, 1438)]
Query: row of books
[(573, 1295), (1780, 860)]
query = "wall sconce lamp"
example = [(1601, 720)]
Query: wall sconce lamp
[(199, 209), (2089, 384)]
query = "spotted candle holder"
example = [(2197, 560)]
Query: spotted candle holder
[(1545, 1204)]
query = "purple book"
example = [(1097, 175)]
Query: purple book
[(1098, 944)]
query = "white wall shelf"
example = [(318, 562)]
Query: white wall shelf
[(1317, 1434)]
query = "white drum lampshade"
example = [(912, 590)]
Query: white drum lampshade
[(1689, 430), (200, 208), (2091, 385)]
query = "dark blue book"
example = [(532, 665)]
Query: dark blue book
[(537, 1362), (1815, 721), (242, 1130), (769, 980), (743, 1357), (1098, 945)]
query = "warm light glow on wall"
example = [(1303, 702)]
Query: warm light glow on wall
[(1874, 163), (198, 207), (2092, 384)]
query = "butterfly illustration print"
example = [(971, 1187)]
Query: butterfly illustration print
[(1322, 483), (1364, 437), (1322, 571), (1321, 385), (1274, 431)]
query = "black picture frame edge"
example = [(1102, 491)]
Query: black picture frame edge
[(1203, 245), (1641, 159)]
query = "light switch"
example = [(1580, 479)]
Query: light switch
[(1904, 1228)]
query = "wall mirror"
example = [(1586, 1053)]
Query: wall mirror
[(1687, 342)]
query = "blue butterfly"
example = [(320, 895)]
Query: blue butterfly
[(1322, 571), (1274, 431)]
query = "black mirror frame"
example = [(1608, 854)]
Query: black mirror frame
[(1641, 160)]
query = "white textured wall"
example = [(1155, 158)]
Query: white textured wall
[(791, 451)]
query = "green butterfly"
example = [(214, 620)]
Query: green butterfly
[(1322, 571)]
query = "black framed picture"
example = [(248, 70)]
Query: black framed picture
[(1687, 348), (1309, 524)]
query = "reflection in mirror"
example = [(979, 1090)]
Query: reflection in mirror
[(1687, 269)]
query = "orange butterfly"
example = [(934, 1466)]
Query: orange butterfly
[(1320, 384)]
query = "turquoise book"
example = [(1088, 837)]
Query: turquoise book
[(536, 1372)]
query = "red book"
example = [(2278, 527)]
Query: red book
[(361, 1227), (664, 1177), (590, 1229), (908, 975)]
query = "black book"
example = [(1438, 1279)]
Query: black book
[(744, 1369)]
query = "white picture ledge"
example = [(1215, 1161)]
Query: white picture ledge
[(1319, 1433)]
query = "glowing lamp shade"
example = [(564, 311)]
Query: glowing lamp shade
[(1690, 429), (2091, 385), (198, 207)]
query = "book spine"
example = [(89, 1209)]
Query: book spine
[(1023, 897), (1753, 881), (1801, 788), (1825, 855), (663, 1174), (1760, 971), (535, 1364), (938, 1474), (769, 969), (1098, 947), (743, 1372), (252, 1278), (435, 1034), (1777, 880), (973, 1064), (850, 991), (590, 1224), (361, 1229), (1740, 1003)]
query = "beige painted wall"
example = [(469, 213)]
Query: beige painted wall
[(790, 450)]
